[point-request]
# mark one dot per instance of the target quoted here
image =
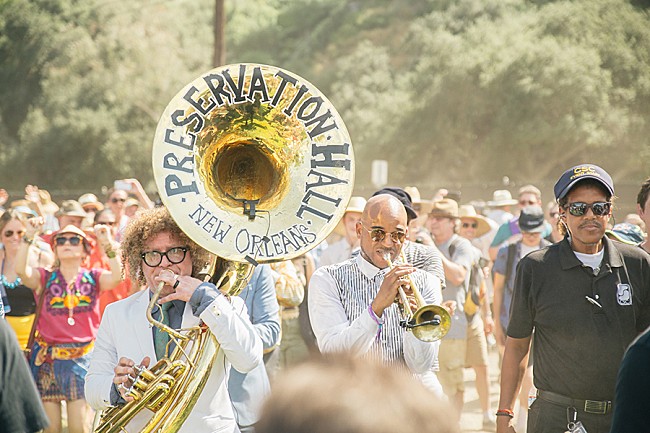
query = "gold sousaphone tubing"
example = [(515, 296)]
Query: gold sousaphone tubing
[(256, 166), (429, 322)]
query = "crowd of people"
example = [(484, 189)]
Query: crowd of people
[(558, 290)]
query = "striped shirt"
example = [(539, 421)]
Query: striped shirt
[(339, 297), (425, 257)]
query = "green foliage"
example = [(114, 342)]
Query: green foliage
[(447, 91)]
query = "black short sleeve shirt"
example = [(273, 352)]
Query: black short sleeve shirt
[(578, 344)]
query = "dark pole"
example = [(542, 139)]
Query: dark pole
[(219, 57)]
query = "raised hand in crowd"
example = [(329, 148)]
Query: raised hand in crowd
[(4, 196)]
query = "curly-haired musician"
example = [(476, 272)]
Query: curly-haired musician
[(157, 251), (351, 304)]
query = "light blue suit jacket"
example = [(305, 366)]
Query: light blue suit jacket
[(248, 390)]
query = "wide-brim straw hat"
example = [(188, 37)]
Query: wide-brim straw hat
[(71, 208), (70, 229), (356, 204), (501, 197), (468, 211), (90, 199), (131, 202), (422, 207), (446, 208), (74, 230), (46, 202)]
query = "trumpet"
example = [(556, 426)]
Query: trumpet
[(429, 322)]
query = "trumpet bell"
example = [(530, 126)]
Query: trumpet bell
[(430, 323)]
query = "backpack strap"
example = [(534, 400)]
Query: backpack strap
[(452, 248), (512, 250)]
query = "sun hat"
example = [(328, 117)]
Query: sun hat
[(74, 230), (25, 210), (356, 204), (71, 208), (70, 229), (446, 208), (468, 211), (89, 199), (501, 197), (131, 202), (421, 207)]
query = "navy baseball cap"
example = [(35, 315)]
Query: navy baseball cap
[(402, 196), (578, 173)]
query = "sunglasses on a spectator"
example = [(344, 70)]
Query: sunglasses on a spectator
[(10, 233), (74, 240)]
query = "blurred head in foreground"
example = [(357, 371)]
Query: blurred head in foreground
[(345, 395)]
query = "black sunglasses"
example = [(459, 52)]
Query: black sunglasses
[(74, 240), (378, 235), (154, 258), (468, 225), (599, 208), (10, 233), (115, 200)]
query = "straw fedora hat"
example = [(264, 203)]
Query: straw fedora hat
[(46, 202), (422, 207), (71, 208), (356, 204), (501, 197), (74, 230), (70, 229), (446, 208), (468, 211), (90, 199)]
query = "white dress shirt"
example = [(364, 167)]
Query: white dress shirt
[(336, 331)]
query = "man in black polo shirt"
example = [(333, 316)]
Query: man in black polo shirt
[(586, 297)]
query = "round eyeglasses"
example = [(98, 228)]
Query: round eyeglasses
[(154, 258)]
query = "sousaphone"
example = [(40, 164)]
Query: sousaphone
[(256, 166), (254, 163)]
